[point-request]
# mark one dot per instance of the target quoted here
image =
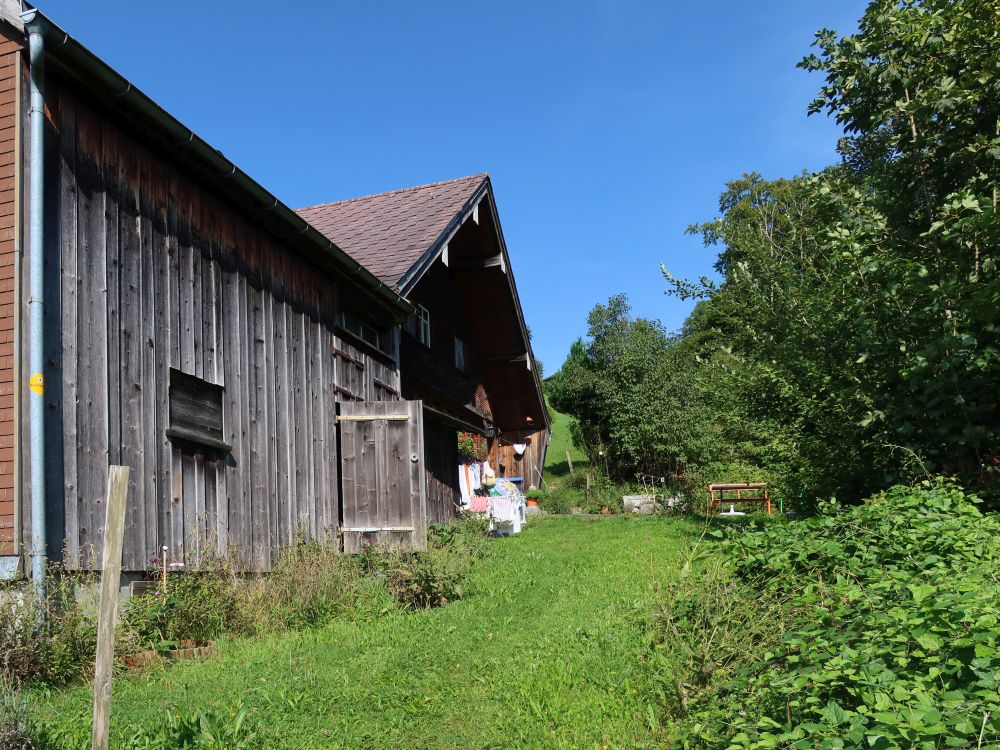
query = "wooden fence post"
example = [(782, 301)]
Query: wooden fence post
[(570, 462), (107, 615)]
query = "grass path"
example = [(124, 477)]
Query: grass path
[(545, 651)]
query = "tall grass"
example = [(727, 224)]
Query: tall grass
[(309, 586), (16, 731)]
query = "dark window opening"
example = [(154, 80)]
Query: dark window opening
[(381, 339), (422, 325), (196, 411)]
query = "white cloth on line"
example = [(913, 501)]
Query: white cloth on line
[(465, 483), (506, 513)]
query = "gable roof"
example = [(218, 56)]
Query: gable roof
[(398, 236), (389, 233)]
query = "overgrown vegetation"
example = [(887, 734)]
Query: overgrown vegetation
[(309, 586), (852, 340), (547, 649), (874, 626), (16, 730)]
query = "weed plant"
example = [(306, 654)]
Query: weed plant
[(888, 629), (16, 731), (309, 586)]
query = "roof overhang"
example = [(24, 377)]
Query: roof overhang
[(507, 368)]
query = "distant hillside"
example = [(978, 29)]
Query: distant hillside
[(555, 458)]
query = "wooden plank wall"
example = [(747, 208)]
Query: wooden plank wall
[(383, 487), (10, 68), (530, 465), (149, 271), (441, 457)]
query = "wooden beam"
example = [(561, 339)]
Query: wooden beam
[(372, 417), (373, 529), (107, 613), (479, 264), (505, 359)]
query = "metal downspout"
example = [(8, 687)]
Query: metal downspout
[(36, 27)]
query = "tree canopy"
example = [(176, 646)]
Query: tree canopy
[(850, 339)]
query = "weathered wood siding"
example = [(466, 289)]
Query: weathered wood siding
[(384, 476), (441, 458), (149, 271), (528, 465), (10, 69)]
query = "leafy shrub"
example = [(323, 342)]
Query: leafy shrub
[(466, 536), (892, 630), (557, 502), (15, 721), (309, 586), (422, 579), (707, 627), (197, 605), (63, 650)]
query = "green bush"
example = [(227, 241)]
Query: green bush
[(707, 627), (465, 536), (197, 606), (557, 502), (308, 586), (892, 630), (63, 650), (422, 579)]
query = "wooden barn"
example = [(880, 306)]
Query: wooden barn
[(162, 310)]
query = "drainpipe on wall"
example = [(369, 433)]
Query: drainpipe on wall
[(36, 27)]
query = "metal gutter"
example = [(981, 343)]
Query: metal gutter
[(80, 64), (37, 29)]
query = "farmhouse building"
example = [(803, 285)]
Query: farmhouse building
[(264, 382), (465, 351)]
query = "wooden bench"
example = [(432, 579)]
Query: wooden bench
[(748, 492)]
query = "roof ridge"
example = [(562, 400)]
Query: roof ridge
[(410, 189)]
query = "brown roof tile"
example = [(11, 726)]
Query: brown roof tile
[(389, 232)]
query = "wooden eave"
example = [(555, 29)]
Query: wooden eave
[(509, 390)]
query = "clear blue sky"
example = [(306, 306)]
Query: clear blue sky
[(607, 126)]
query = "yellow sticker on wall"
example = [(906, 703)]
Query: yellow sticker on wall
[(37, 384)]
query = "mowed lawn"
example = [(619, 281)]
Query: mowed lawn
[(546, 650)]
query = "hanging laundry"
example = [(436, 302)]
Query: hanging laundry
[(465, 483), (479, 504), (505, 514)]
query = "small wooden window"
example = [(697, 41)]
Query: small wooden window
[(423, 321), (381, 339), (196, 411), (459, 354)]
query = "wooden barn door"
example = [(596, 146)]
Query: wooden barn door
[(383, 484)]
